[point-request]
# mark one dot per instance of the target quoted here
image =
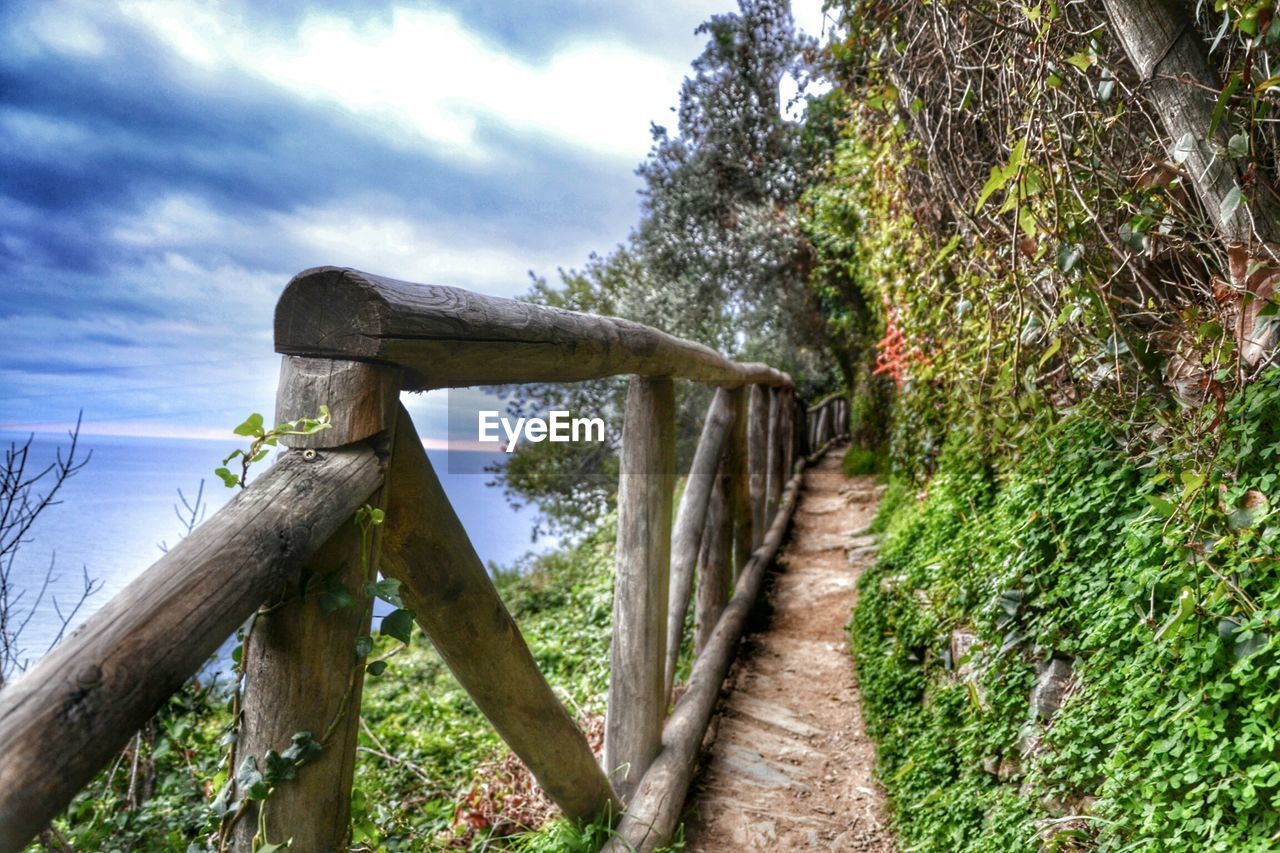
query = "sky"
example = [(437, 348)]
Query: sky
[(168, 165)]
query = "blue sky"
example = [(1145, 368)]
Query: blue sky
[(169, 164)]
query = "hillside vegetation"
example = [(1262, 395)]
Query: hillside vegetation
[(1036, 245), (1060, 239)]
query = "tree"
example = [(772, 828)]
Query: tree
[(718, 236), (1165, 48), (25, 494), (718, 255)]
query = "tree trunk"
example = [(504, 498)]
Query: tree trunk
[(1164, 46)]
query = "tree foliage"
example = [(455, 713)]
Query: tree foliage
[(718, 255)]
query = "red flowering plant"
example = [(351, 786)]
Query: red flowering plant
[(896, 354)]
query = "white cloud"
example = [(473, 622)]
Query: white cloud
[(411, 249), (186, 232), (424, 72), (73, 34)]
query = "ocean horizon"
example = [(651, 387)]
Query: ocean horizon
[(113, 517)]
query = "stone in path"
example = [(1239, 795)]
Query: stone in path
[(791, 766)]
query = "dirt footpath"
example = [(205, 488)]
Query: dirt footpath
[(791, 766)]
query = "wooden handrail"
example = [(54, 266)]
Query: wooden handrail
[(446, 337), (813, 408), (353, 341)]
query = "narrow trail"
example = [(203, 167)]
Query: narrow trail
[(791, 765)]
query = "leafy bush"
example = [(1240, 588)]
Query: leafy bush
[(862, 460), (423, 743), (1154, 570)]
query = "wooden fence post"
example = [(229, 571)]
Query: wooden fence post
[(788, 442), (302, 670), (715, 572), (75, 709), (637, 704), (736, 464), (777, 473), (758, 459), (443, 581), (687, 538)]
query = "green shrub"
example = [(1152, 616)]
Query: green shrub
[(862, 460), (1154, 570), (417, 712)]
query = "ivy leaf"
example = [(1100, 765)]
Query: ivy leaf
[(399, 624), (377, 667), (228, 479), (1238, 146), (388, 589), (1082, 60), (304, 748), (251, 427), (250, 780), (364, 645), (334, 597), (1185, 147), (278, 768), (1249, 643), (1162, 506), (1230, 202), (1242, 641), (222, 803), (1185, 607)]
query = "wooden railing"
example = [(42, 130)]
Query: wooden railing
[(353, 342)]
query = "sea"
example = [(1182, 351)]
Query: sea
[(113, 519)]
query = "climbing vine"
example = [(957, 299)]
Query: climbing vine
[(1150, 576)]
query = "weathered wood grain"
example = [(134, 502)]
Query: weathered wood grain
[(361, 397), (448, 337), (74, 710), (740, 483), (775, 474), (301, 668), (788, 439), (1164, 46), (715, 569), (637, 704), (302, 674), (690, 521), (656, 806), (453, 599), (758, 459), (799, 431), (822, 431)]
